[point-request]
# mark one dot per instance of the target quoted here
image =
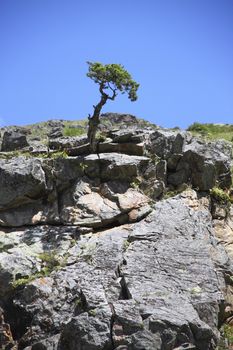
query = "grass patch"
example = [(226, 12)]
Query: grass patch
[(212, 131), (73, 131)]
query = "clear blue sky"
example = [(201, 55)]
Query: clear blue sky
[(180, 51)]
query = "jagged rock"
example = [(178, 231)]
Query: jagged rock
[(13, 140)]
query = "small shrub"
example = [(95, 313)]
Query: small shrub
[(198, 127), (220, 196), (50, 260)]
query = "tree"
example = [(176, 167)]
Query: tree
[(112, 79)]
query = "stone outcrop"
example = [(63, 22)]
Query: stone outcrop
[(93, 257)]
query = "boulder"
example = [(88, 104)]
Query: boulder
[(163, 142), (203, 165), (13, 140), (66, 142)]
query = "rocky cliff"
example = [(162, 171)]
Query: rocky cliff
[(129, 248)]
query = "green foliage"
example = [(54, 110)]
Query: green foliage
[(58, 154), (73, 131), (226, 341), (220, 196), (213, 131), (198, 127), (50, 259), (24, 280), (112, 78)]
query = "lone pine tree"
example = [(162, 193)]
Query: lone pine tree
[(112, 79)]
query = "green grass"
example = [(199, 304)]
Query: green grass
[(73, 131), (212, 131)]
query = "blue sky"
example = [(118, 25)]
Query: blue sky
[(180, 51)]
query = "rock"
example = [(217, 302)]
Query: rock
[(65, 142), (126, 148), (88, 261), (88, 331), (101, 207), (127, 136), (164, 143), (156, 284), (203, 165), (13, 141), (114, 166), (55, 133), (21, 181), (121, 120)]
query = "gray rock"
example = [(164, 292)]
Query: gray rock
[(114, 166), (136, 149), (164, 143), (21, 181), (156, 284), (66, 142), (207, 165), (12, 141), (88, 331)]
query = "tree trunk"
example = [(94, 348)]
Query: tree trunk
[(94, 121)]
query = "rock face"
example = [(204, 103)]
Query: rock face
[(88, 259)]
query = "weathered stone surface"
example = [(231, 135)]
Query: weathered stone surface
[(164, 142), (114, 166), (62, 143), (88, 331), (156, 284), (136, 149), (13, 140), (203, 165), (21, 181)]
